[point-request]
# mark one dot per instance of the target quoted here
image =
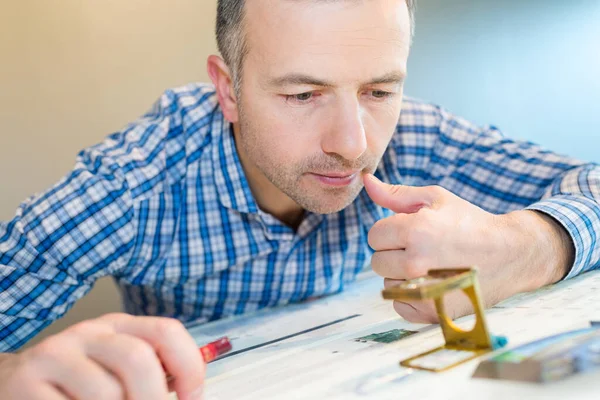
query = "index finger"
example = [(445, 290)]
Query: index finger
[(173, 344), (390, 233)]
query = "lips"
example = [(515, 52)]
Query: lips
[(337, 175), (336, 179)]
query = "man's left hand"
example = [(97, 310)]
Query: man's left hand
[(433, 228)]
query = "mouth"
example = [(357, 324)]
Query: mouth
[(335, 178)]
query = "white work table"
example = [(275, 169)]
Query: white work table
[(320, 358)]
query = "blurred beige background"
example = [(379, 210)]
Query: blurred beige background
[(74, 71)]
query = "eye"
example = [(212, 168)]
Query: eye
[(300, 98), (381, 94)]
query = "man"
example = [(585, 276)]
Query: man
[(248, 194)]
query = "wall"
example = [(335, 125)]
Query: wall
[(531, 68), (74, 71)]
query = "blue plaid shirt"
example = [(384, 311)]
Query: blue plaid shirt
[(164, 207)]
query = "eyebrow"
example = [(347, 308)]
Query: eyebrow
[(301, 79), (392, 77)]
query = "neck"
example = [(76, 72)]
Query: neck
[(268, 197)]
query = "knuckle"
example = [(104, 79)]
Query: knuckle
[(376, 262), (372, 238), (169, 328), (436, 191), (25, 373), (376, 233), (138, 355), (115, 317), (51, 349), (83, 328), (398, 234), (415, 268), (109, 391)]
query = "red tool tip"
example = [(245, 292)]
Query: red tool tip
[(215, 349)]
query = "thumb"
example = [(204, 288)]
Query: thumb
[(398, 198)]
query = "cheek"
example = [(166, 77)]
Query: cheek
[(381, 125), (297, 130), (278, 137), (290, 144)]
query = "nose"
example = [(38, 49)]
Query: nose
[(347, 137)]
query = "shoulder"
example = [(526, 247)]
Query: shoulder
[(424, 132), (154, 150), (426, 118), (423, 124)]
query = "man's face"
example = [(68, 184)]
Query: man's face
[(321, 94)]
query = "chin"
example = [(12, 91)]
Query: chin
[(329, 203)]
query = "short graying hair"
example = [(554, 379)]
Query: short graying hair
[(230, 34)]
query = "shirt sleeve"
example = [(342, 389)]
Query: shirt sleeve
[(59, 243), (500, 175), (98, 220)]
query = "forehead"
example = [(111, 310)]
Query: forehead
[(341, 39)]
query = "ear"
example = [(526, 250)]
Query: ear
[(222, 79)]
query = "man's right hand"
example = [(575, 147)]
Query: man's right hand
[(117, 356)]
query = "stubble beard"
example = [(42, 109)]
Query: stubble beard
[(294, 181)]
